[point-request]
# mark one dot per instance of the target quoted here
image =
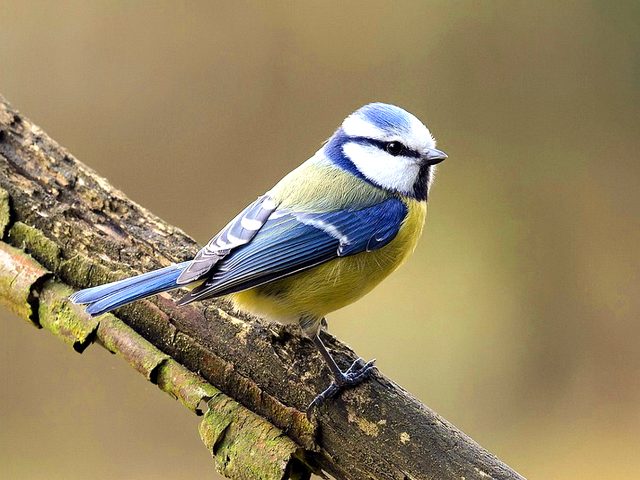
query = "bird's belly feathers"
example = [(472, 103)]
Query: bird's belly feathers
[(334, 284)]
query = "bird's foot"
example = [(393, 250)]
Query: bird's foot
[(354, 375)]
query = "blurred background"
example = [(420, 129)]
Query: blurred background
[(517, 318)]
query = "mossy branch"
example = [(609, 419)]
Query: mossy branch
[(80, 231), (244, 445)]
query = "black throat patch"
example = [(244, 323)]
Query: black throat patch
[(421, 187)]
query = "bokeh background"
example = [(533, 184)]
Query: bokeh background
[(517, 318)]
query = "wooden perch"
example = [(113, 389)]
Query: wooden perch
[(82, 230)]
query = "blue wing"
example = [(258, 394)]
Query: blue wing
[(236, 233), (290, 242)]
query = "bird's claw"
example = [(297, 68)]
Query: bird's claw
[(354, 375), (329, 392)]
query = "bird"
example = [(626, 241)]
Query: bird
[(323, 237)]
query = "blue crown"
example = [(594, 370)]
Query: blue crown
[(385, 116)]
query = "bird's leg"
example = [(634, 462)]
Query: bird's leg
[(355, 374)]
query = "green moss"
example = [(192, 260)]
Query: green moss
[(184, 385), (77, 270), (65, 320), (32, 240), (119, 338), (244, 445), (82, 270)]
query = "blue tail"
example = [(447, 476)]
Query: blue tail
[(104, 298)]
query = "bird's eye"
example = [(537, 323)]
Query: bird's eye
[(394, 148)]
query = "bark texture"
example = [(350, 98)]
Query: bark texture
[(85, 232)]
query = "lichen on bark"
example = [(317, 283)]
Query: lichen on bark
[(66, 321), (245, 447)]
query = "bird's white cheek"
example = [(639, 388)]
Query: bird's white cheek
[(393, 173)]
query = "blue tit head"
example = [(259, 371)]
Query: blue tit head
[(388, 147)]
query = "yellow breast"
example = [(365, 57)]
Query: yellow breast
[(337, 283)]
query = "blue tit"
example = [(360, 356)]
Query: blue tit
[(321, 238)]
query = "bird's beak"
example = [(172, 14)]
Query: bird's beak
[(434, 156)]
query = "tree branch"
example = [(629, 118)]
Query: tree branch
[(244, 445), (86, 232)]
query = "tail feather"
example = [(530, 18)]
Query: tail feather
[(104, 298)]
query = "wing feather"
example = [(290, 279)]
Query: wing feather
[(236, 233), (294, 241)]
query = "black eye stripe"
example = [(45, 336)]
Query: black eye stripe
[(382, 145)]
